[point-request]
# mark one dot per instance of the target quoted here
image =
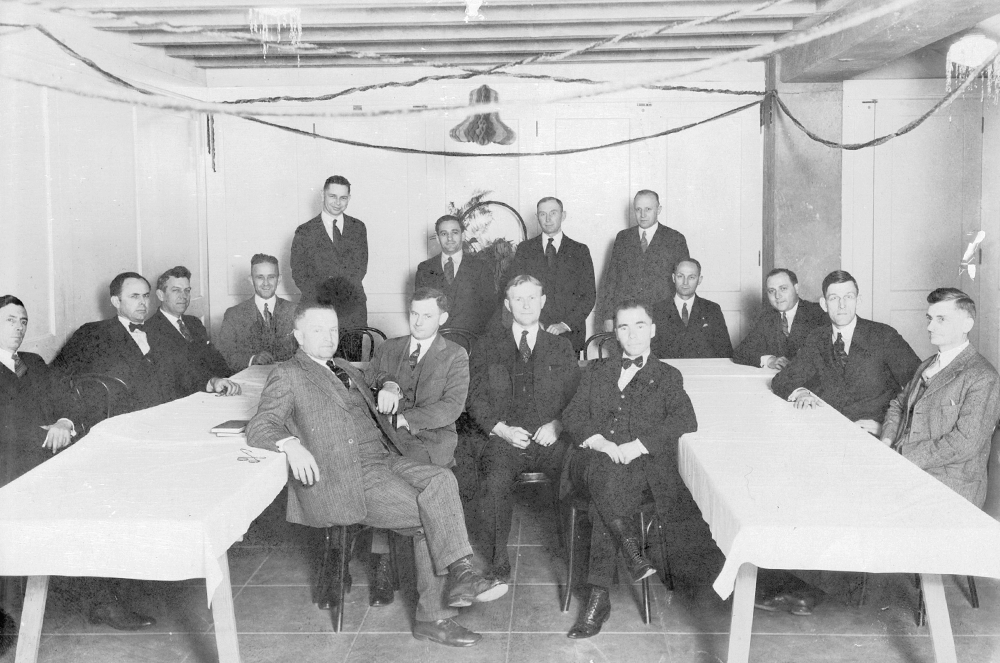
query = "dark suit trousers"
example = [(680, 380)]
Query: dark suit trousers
[(422, 501), (500, 464), (616, 492)]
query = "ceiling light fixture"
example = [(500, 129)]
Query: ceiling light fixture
[(968, 53), (265, 19)]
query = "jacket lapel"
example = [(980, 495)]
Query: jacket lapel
[(321, 377), (949, 372)]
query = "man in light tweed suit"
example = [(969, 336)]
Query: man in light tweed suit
[(319, 412)]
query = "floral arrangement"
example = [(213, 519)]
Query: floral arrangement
[(482, 239)]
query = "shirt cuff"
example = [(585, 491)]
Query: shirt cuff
[(586, 444), (764, 359), (399, 391), (281, 443), (642, 446), (250, 363)]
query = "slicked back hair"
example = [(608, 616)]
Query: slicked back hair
[(629, 304), (839, 276), (690, 260), (521, 279), (647, 192), (551, 199), (448, 217), (423, 294), (116, 283), (337, 179), (783, 270), (962, 300), (259, 258), (178, 272), (308, 305), (7, 300)]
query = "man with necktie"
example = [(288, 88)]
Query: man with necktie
[(258, 330), (775, 337), (320, 413), (690, 326), (521, 379), (944, 419), (626, 419)]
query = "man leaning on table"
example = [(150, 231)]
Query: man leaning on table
[(319, 412), (944, 419)]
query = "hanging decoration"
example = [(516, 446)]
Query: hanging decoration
[(966, 54), (483, 128), (472, 12), (265, 19)]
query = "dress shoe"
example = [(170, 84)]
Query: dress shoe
[(117, 616), (467, 586), (381, 591), (638, 566), (501, 571), (327, 599), (787, 602), (445, 632), (594, 615)]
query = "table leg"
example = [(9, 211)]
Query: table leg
[(224, 616), (30, 633), (739, 629), (938, 619)]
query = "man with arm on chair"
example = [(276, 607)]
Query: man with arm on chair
[(627, 418), (423, 378), (521, 379), (319, 412), (689, 326)]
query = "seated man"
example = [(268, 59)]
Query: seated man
[(319, 412), (627, 418), (185, 334), (521, 379), (689, 326), (778, 332), (258, 330), (943, 420), (423, 378)]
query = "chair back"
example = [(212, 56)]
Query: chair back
[(606, 344), (992, 504), (99, 395), (359, 335), (463, 337)]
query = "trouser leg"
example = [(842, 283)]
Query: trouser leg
[(499, 466), (431, 605)]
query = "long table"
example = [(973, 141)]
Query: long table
[(807, 489), (150, 495)]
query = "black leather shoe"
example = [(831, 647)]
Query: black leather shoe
[(594, 615), (501, 572), (380, 593), (446, 632), (328, 583), (119, 617), (638, 566), (801, 606), (467, 586)]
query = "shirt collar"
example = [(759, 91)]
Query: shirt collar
[(678, 302), (456, 259), (7, 358), (650, 231), (556, 240), (260, 301), (645, 360), (948, 356), (790, 313), (516, 329), (847, 332), (328, 219), (126, 322), (170, 316)]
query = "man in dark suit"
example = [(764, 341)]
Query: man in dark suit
[(566, 271), (944, 419), (184, 334), (258, 330), (467, 281), (690, 326), (642, 259), (521, 379), (319, 412), (626, 418), (423, 379)]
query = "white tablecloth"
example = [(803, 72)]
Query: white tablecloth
[(807, 489), (150, 495)]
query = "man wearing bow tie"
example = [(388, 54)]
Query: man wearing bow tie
[(690, 326), (627, 418), (944, 419)]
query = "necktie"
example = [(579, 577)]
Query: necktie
[(183, 328), (550, 253), (340, 373), (268, 318), (626, 362), (132, 327), (449, 271), (784, 324), (20, 369), (644, 242), (840, 352), (684, 314), (523, 348), (334, 231), (414, 357)]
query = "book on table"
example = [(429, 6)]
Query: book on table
[(231, 428)]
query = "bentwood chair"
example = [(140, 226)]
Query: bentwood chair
[(606, 343), (463, 337), (99, 394), (356, 338)]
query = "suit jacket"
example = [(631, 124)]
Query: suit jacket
[(705, 334), (570, 289), (471, 295), (491, 390), (316, 257), (202, 356), (304, 399), (879, 363), (433, 395), (633, 274), (242, 334), (766, 338), (653, 408), (953, 422), (41, 397)]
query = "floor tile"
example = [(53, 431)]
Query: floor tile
[(291, 610), (404, 647)]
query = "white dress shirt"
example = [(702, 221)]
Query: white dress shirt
[(7, 358), (456, 259), (532, 334), (425, 345), (138, 336), (847, 332), (627, 374), (790, 316), (329, 219), (271, 303), (679, 302), (650, 231), (943, 359), (174, 320), (556, 240)]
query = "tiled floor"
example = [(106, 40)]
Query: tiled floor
[(271, 571)]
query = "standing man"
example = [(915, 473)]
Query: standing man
[(780, 330), (423, 379), (466, 281), (258, 330), (319, 412), (690, 326), (642, 259), (627, 418), (943, 420), (522, 378), (566, 271)]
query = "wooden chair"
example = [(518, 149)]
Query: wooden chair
[(102, 388), (602, 339), (463, 337), (360, 334), (542, 479)]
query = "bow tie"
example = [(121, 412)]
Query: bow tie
[(132, 327), (627, 363)]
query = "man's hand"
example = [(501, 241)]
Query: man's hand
[(778, 363), (388, 398), (401, 422), (302, 463), (558, 328), (631, 450), (263, 358), (608, 447), (548, 434), (59, 435), (803, 398), (516, 436), (870, 426), (223, 387)]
